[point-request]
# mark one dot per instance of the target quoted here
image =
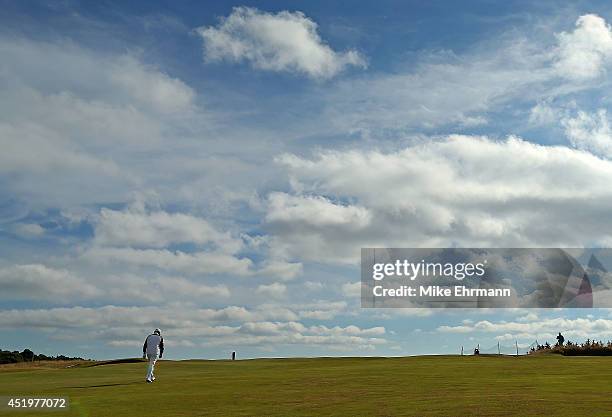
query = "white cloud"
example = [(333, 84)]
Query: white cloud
[(139, 237), (190, 289), (281, 269), (578, 329), (455, 190), (151, 87), (542, 114), (314, 211), (531, 316), (284, 41), (352, 289), (119, 325), (188, 263), (29, 230), (98, 78), (274, 290), (93, 119), (63, 287), (441, 89), (590, 132), (446, 88), (116, 317), (322, 310), (136, 227), (130, 288), (53, 156), (295, 333), (38, 282), (314, 285), (351, 330), (584, 53)]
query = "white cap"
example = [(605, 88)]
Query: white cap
[(157, 331)]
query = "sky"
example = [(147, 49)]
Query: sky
[(213, 168)]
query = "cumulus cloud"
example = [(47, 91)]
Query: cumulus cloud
[(138, 228), (114, 79), (322, 310), (295, 333), (90, 116), (579, 329), (139, 237), (53, 154), (39, 282), (274, 290), (352, 289), (150, 86), (63, 287), (543, 114), (466, 190), (314, 285), (280, 269), (189, 263), (132, 288), (110, 316), (315, 211), (590, 132), (228, 326), (28, 230), (584, 53), (284, 41)]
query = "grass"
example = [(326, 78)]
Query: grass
[(542, 385)]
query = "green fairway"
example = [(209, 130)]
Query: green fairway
[(546, 385)]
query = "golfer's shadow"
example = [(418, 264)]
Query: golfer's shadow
[(107, 385)]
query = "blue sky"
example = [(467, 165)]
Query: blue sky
[(213, 168)]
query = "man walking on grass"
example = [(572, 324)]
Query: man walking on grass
[(152, 349)]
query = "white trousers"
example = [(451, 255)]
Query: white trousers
[(152, 359)]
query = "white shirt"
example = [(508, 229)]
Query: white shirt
[(152, 344)]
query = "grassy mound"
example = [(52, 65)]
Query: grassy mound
[(116, 361)]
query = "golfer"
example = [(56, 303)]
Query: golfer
[(152, 349)]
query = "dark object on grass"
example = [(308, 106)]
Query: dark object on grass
[(560, 339), (117, 361)]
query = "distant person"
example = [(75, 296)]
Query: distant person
[(560, 339), (152, 349)]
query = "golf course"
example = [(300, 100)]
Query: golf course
[(537, 385)]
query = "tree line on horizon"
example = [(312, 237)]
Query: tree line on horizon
[(7, 356), (587, 348)]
